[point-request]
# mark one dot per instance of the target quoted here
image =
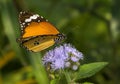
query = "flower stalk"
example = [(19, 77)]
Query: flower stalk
[(67, 76)]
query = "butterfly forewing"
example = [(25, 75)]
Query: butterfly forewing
[(34, 25), (25, 18)]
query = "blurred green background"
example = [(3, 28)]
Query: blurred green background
[(92, 26)]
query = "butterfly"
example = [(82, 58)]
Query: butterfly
[(37, 33)]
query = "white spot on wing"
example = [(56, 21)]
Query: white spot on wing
[(20, 12), (23, 23), (22, 26), (32, 17), (38, 20), (46, 20), (42, 17), (27, 20)]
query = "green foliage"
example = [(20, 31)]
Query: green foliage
[(87, 83), (54, 81), (88, 70)]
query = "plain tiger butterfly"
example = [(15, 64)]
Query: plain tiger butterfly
[(37, 33)]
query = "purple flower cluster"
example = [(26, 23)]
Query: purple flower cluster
[(64, 56)]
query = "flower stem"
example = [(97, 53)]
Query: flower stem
[(67, 76)]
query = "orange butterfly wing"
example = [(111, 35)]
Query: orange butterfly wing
[(42, 28)]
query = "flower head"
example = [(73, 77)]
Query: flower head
[(64, 56)]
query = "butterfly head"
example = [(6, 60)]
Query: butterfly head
[(59, 38)]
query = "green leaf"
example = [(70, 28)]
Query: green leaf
[(54, 81), (87, 83), (88, 70)]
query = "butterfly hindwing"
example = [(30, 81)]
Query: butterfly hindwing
[(39, 43)]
